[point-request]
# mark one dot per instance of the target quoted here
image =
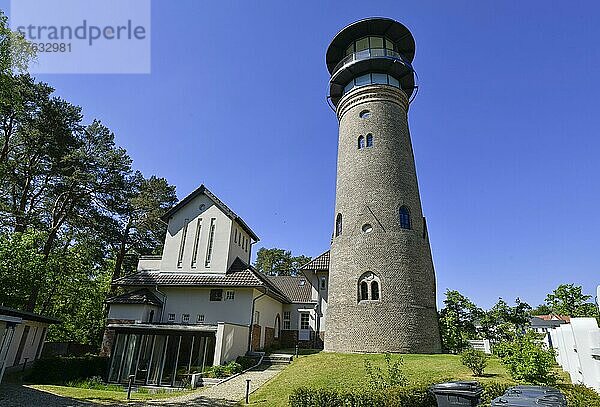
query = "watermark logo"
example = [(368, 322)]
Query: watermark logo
[(85, 36)]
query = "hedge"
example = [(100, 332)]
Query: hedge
[(418, 396), (60, 370)]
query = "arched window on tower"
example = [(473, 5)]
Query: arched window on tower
[(364, 291), (405, 217), (369, 287), (369, 140), (374, 290), (338, 224), (361, 142)]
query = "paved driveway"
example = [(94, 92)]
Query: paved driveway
[(16, 395)]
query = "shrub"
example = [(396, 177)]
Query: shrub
[(527, 361), (580, 396), (59, 370), (246, 361), (491, 391), (417, 396), (222, 371), (391, 377), (232, 368), (475, 360)]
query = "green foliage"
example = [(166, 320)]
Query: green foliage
[(411, 396), (475, 360), (390, 376), (278, 262), (527, 361), (246, 362), (457, 321), (15, 51), (569, 299), (222, 371), (60, 370), (491, 391), (94, 383), (503, 322), (580, 396)]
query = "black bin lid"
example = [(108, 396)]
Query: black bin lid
[(466, 388)]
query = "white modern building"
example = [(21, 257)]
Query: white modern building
[(22, 336), (201, 303)]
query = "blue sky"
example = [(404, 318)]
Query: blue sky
[(505, 127)]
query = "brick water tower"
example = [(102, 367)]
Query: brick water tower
[(382, 295)]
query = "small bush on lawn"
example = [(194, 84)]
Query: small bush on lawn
[(59, 370), (475, 360), (392, 376), (491, 391), (222, 371), (527, 361)]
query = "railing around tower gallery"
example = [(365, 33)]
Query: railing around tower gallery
[(370, 53)]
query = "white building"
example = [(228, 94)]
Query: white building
[(201, 303), (22, 336)]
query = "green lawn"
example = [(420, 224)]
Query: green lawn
[(347, 371), (102, 396)]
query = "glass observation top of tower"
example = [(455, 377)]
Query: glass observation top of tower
[(375, 50)]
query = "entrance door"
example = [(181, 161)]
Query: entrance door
[(304, 327)]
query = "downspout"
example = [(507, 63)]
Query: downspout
[(252, 319), (162, 309)]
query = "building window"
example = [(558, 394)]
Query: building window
[(200, 318), (369, 140), (361, 142), (375, 291), (171, 317), (338, 224), (235, 239), (367, 228), (151, 316), (216, 295), (371, 78), (196, 240), (256, 318), (304, 320), (364, 114), (229, 295), (211, 239), (286, 320), (185, 318), (405, 217), (323, 283), (364, 291), (182, 243), (369, 287)]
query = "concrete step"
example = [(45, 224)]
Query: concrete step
[(278, 358)]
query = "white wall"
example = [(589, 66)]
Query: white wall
[(194, 301), (192, 212), (231, 342), (136, 312), (237, 247), (35, 335), (268, 308), (149, 263)]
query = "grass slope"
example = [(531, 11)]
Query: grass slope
[(347, 371), (102, 396)]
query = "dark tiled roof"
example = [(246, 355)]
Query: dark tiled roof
[(203, 190), (297, 289), (239, 275), (319, 263), (29, 316), (142, 296), (537, 322)]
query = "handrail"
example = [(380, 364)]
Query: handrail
[(369, 53)]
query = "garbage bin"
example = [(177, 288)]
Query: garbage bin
[(457, 394), (531, 396)]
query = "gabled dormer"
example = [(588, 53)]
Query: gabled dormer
[(204, 235)]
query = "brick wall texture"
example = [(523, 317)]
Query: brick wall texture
[(372, 184)]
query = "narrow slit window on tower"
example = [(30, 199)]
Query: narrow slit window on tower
[(364, 291), (404, 217), (338, 224), (211, 239), (196, 240), (369, 140), (375, 291), (361, 142), (182, 243), (364, 114)]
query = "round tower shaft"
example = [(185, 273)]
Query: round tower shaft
[(382, 282)]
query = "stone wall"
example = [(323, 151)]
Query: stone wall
[(372, 184)]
